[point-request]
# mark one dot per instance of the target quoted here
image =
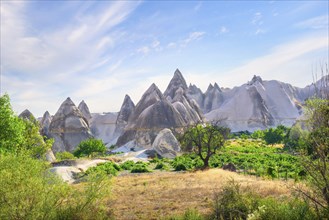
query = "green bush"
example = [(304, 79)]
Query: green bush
[(190, 214), (162, 166), (108, 168), (28, 191), (20, 134), (234, 203), (65, 155), (127, 165), (90, 147), (140, 167)]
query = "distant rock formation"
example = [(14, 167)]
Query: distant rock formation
[(84, 110), (126, 109), (165, 144), (151, 114), (175, 83), (26, 114), (45, 123), (68, 127), (103, 126)]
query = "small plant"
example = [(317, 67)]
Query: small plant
[(127, 165), (65, 155), (140, 167), (108, 168)]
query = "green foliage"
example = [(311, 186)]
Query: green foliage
[(90, 147), (108, 168), (11, 127), (316, 159), (28, 191), (259, 134), (205, 140), (64, 156), (127, 165), (190, 214), (295, 139), (140, 167), (20, 134), (233, 202), (184, 162), (275, 135)]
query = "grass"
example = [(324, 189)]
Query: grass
[(160, 194)]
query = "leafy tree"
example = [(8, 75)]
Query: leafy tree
[(315, 159), (205, 140), (259, 134), (90, 147), (11, 127), (19, 134), (295, 138), (275, 135)]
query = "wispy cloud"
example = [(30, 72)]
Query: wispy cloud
[(224, 30), (274, 63), (257, 19), (194, 36), (51, 57), (320, 22)]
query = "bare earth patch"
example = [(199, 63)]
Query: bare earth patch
[(155, 195)]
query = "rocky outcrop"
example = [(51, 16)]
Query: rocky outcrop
[(175, 83), (166, 145), (103, 126), (195, 93), (84, 110), (45, 123), (151, 114), (68, 127), (26, 114), (213, 98), (126, 109)]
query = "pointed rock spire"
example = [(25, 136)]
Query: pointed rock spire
[(176, 82), (26, 114), (45, 123), (84, 110), (256, 79), (126, 109), (68, 127)]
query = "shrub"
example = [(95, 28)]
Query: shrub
[(65, 155), (108, 168), (161, 166), (140, 167), (28, 191), (90, 147), (190, 214), (127, 165)]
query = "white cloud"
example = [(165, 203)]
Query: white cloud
[(282, 62), (171, 45), (257, 19), (194, 36), (320, 22), (260, 31), (144, 50), (224, 30), (155, 44)]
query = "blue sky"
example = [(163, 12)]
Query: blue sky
[(101, 50)]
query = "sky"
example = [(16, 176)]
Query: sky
[(98, 51)]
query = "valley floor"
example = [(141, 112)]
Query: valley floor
[(162, 194)]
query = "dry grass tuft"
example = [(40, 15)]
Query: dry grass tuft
[(155, 195)]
